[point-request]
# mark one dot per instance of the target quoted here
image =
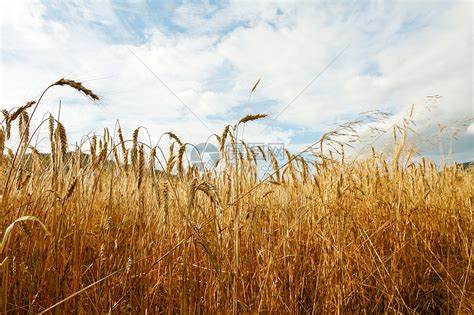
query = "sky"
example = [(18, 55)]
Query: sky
[(189, 67)]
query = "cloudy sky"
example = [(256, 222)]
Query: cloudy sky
[(188, 67)]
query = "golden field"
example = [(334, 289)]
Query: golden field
[(113, 227)]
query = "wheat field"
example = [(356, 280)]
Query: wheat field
[(116, 226)]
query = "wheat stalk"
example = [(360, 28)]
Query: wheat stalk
[(174, 137), (141, 165), (251, 118), (134, 147), (181, 151), (21, 110), (77, 86), (93, 149), (152, 161), (62, 137), (2, 142)]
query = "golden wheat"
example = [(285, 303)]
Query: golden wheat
[(321, 235)]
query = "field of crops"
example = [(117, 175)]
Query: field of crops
[(113, 226)]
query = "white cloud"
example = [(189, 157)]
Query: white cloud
[(470, 129), (399, 53)]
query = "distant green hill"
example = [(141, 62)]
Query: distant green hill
[(467, 165)]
